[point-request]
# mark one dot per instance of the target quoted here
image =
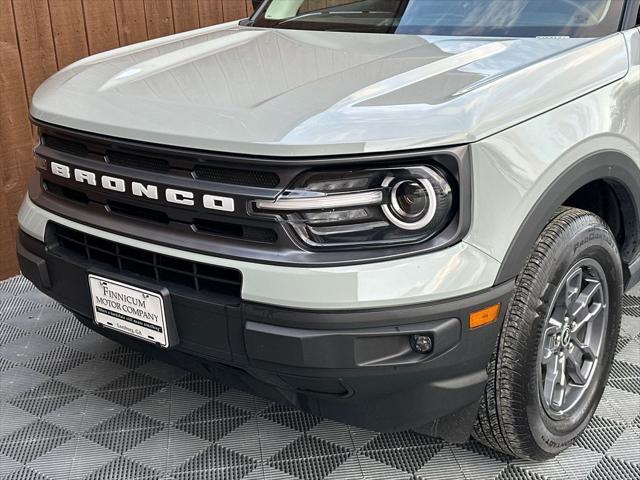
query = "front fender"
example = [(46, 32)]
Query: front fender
[(615, 167), (523, 174)]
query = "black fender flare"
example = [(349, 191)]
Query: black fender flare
[(615, 168)]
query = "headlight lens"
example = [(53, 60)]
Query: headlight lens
[(410, 198), (374, 207)]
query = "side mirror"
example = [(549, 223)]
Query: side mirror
[(256, 4)]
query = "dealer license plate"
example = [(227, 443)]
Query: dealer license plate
[(128, 309)]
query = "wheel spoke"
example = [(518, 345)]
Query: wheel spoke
[(553, 328), (572, 287), (574, 367), (549, 356), (554, 324), (558, 316), (586, 308), (562, 383), (584, 320), (552, 379), (587, 351)]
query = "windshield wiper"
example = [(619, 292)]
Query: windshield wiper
[(329, 13)]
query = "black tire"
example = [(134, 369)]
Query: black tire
[(513, 417)]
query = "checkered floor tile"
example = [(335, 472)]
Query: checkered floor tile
[(74, 405)]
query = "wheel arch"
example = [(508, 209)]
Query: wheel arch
[(616, 170)]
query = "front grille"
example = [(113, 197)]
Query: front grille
[(151, 266), (144, 160), (216, 228)]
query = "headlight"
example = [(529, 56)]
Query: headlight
[(373, 207)]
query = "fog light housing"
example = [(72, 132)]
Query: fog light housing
[(421, 343)]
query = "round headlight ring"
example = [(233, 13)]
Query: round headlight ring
[(395, 213)]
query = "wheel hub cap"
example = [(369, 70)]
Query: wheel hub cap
[(573, 337)]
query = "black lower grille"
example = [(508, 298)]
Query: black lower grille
[(152, 266)]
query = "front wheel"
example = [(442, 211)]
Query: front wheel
[(555, 349)]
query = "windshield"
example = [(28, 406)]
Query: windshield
[(511, 18)]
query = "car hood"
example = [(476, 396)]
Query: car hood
[(293, 93)]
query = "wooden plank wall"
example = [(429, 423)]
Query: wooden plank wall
[(39, 37)]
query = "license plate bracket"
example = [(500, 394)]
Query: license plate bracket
[(137, 311)]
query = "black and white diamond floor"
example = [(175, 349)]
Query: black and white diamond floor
[(74, 405)]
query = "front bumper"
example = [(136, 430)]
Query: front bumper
[(352, 365)]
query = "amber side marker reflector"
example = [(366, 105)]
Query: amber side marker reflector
[(484, 317)]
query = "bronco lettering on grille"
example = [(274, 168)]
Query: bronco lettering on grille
[(138, 189)]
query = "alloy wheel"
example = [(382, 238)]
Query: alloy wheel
[(573, 338)]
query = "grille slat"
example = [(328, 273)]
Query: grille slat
[(136, 211), (233, 176), (138, 162), (149, 265), (64, 145)]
